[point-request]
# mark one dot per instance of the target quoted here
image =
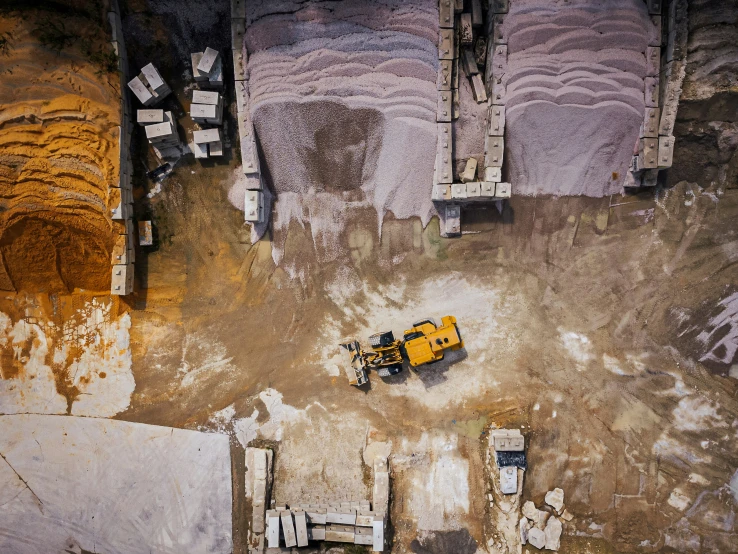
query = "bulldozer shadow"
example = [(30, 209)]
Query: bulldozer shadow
[(432, 374)]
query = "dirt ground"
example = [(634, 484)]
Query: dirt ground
[(599, 327)]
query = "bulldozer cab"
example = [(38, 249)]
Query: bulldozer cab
[(426, 342)]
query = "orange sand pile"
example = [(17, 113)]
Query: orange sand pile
[(59, 118)]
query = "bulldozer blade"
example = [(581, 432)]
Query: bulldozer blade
[(356, 370)]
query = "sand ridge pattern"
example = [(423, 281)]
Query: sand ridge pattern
[(574, 93), (343, 99), (58, 156)]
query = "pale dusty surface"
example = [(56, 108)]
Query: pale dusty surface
[(112, 486)]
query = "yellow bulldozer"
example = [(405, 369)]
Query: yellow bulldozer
[(425, 343)]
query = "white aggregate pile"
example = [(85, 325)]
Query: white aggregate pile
[(343, 99), (575, 93)]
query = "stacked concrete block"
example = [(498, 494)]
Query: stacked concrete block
[(206, 107), (148, 86), (265, 525), (207, 68), (207, 142), (149, 117), (164, 137)]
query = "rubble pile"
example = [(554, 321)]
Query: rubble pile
[(542, 528)]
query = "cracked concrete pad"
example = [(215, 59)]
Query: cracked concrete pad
[(70, 484)]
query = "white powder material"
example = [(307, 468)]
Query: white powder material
[(574, 93), (343, 100)]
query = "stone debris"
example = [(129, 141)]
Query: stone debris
[(553, 530), (566, 515), (530, 511), (524, 528), (537, 538), (555, 499)]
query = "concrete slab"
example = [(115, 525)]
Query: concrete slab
[(84, 487), (206, 63), (207, 135)]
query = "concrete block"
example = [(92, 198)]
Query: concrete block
[(458, 191), (239, 65), (316, 533), (158, 131), (499, 33), (499, 59), (476, 13), (496, 121), (650, 178), (238, 30), (494, 151), (205, 97), (487, 189), (254, 206), (446, 14), (273, 529), (650, 126), (365, 518), (238, 9), (288, 529), (444, 153), (140, 90), (666, 151), (120, 250), (363, 535), (342, 516), (652, 92), (300, 528), (249, 156), (509, 443), (378, 534), (207, 62), (503, 190), (466, 33), (478, 88), (445, 69), (470, 171), (446, 46), (499, 93), (122, 279), (206, 135), (145, 233), (154, 79), (200, 150), (201, 112), (339, 533), (215, 149), (215, 79), (120, 210), (458, 6), (653, 61), (443, 111), (536, 538), (469, 62), (648, 153), (451, 221), (509, 480), (493, 174), (473, 189), (147, 117), (196, 57), (380, 492), (441, 193), (316, 516), (500, 6), (655, 31), (654, 6)]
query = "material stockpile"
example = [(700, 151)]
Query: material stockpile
[(206, 107), (343, 102), (576, 71), (161, 132), (148, 86), (207, 68), (207, 142)]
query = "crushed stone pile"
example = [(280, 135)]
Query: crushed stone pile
[(343, 99), (575, 93)]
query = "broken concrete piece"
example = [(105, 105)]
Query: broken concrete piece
[(524, 528), (530, 511), (509, 480), (555, 499), (553, 533), (470, 171), (541, 519), (537, 538)]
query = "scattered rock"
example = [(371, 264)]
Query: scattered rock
[(555, 499), (524, 528), (553, 533), (566, 515), (530, 511), (537, 538), (541, 519)]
